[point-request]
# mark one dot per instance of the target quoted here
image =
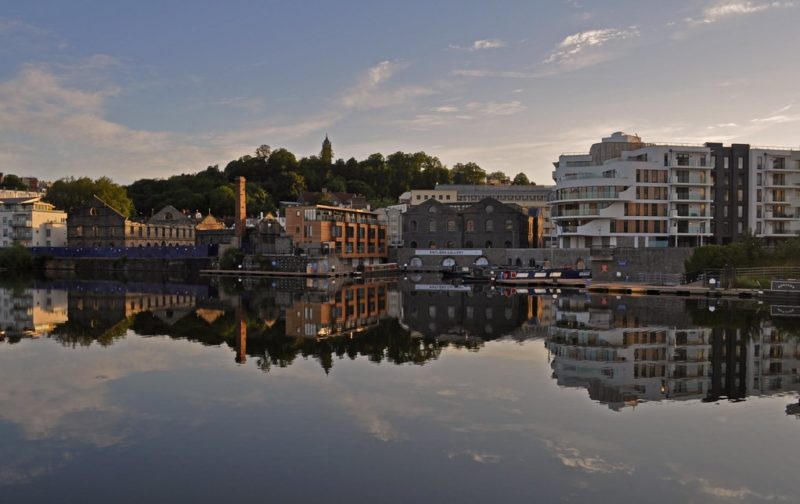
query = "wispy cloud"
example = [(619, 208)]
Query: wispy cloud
[(448, 114), (370, 91), (575, 45), (721, 10), (480, 45), (20, 32), (573, 458)]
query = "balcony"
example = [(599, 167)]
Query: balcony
[(677, 180), (689, 196), (21, 221)]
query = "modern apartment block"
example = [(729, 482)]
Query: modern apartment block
[(30, 222), (627, 193), (354, 235)]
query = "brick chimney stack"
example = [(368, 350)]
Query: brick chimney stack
[(241, 209)]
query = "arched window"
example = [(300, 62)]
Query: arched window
[(519, 261), (432, 209), (489, 208), (413, 244), (168, 216), (508, 244), (488, 244), (468, 244), (451, 225), (432, 244), (509, 225), (489, 226), (432, 226), (93, 211), (413, 225), (470, 225), (450, 244)]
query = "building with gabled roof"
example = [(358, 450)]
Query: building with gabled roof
[(98, 224)]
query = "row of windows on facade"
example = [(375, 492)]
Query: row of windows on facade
[(660, 227), (488, 226), (499, 197), (467, 244), (469, 312), (143, 232), (336, 232)]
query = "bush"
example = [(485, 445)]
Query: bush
[(231, 259), (16, 258)]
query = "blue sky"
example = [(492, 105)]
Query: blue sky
[(149, 89)]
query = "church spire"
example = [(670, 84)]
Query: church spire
[(326, 156)]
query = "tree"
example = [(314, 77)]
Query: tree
[(13, 182), (263, 151), (70, 193), (498, 176), (521, 179), (469, 173)]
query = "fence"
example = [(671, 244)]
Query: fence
[(194, 252), (745, 277)]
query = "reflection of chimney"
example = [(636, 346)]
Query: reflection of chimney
[(241, 209), (241, 335)]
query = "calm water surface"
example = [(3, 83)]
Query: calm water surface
[(398, 392)]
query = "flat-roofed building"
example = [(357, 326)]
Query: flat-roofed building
[(352, 235), (627, 193), (31, 222)]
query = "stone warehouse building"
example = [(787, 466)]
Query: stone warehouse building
[(96, 224), (485, 224)]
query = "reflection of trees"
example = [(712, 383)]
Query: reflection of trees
[(268, 345), (74, 333)]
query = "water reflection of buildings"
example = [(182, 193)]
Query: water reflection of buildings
[(463, 313), (348, 310), (648, 349), (31, 311)]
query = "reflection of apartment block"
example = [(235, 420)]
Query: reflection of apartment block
[(33, 311), (774, 362), (620, 363), (352, 309)]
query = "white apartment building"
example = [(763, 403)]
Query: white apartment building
[(627, 193), (30, 222), (776, 193)]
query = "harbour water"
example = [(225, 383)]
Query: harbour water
[(411, 391)]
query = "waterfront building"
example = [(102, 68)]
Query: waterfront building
[(627, 193), (337, 199), (525, 196), (31, 222), (97, 224), (351, 235), (392, 218), (485, 224)]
